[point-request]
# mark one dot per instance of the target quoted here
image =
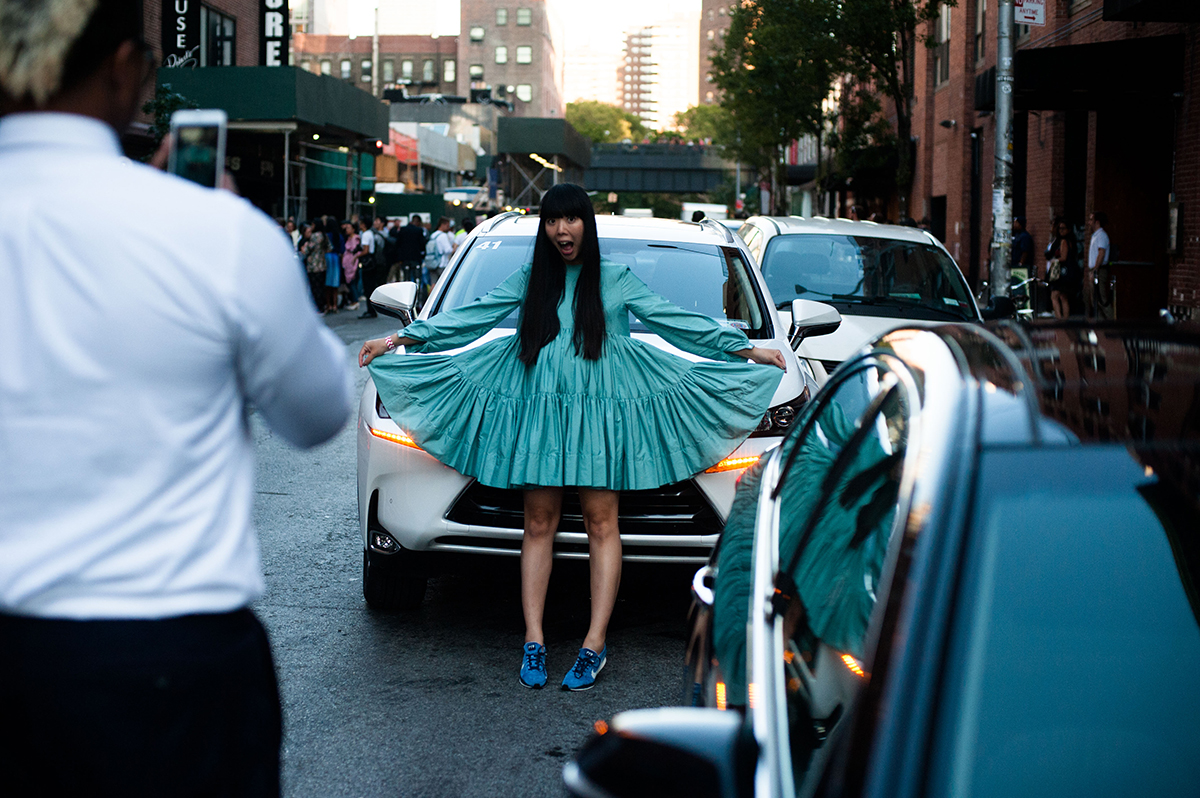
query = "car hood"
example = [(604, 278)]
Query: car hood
[(789, 387), (853, 334)]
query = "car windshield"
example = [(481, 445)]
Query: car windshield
[(867, 276), (703, 278)]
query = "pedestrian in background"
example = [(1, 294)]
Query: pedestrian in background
[(572, 400), (313, 250), (1095, 292), (411, 248), (441, 247), (349, 260), (130, 663), (1062, 272), (465, 226)]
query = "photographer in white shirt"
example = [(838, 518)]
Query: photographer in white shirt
[(143, 317)]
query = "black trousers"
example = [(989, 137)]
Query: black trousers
[(372, 279), (185, 706)]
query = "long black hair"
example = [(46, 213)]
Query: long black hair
[(547, 280)]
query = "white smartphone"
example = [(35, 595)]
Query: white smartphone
[(197, 150)]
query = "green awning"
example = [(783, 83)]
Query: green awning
[(277, 94)]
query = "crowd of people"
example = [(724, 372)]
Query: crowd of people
[(345, 261)]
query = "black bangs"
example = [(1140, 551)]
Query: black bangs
[(565, 199)]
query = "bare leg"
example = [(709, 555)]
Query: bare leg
[(543, 507), (1059, 300), (604, 558)]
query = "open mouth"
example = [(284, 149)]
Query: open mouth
[(566, 249)]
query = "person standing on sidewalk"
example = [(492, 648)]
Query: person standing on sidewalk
[(1099, 248), (372, 254), (130, 662), (411, 248)]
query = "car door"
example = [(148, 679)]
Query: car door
[(830, 517)]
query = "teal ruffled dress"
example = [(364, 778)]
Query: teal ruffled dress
[(634, 419)]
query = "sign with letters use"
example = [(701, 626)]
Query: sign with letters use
[(181, 33), (274, 33)]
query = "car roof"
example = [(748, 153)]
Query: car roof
[(819, 225), (673, 230)]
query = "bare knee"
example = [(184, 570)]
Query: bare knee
[(542, 510), (599, 514)]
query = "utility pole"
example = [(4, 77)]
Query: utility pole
[(1002, 179), (375, 54)]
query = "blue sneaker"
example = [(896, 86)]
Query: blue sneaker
[(533, 666), (583, 673)]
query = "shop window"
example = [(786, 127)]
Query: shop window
[(524, 16), (346, 66), (449, 70), (389, 70), (427, 70), (326, 67), (502, 55), (524, 54), (941, 49), (366, 70), (475, 72), (220, 34), (501, 16), (406, 69), (477, 33)]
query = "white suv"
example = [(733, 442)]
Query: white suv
[(878, 276), (411, 506)]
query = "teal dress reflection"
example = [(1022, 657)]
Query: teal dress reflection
[(634, 419)]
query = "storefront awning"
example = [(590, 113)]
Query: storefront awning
[(1095, 76)]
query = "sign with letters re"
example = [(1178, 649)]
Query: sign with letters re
[(1029, 12), (181, 33), (274, 33)]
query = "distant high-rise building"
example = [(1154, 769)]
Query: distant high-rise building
[(656, 79), (714, 23), (514, 51), (635, 76), (588, 74)]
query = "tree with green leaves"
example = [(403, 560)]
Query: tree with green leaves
[(701, 124), (165, 102), (605, 123)]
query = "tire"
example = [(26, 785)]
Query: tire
[(393, 581)]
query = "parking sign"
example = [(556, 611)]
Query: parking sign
[(1029, 12)]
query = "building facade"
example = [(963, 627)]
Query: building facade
[(513, 50), (714, 24), (636, 76), (419, 64)]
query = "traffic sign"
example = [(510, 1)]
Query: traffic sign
[(1029, 12)]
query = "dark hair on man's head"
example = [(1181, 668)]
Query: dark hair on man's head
[(468, 223), (444, 220), (1101, 218), (547, 280), (697, 216)]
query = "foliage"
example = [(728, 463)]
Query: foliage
[(864, 141), (705, 124), (605, 123), (165, 102)]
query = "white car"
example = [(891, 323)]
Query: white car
[(412, 507), (878, 276)]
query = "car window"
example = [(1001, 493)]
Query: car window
[(703, 278), (867, 276), (1075, 644), (839, 494)]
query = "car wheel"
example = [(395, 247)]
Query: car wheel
[(393, 581)]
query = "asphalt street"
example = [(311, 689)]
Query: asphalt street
[(427, 703)]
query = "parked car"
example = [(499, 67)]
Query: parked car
[(971, 569), (878, 276), (412, 506)]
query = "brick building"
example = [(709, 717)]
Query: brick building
[(513, 49), (1105, 119), (714, 22), (421, 64)]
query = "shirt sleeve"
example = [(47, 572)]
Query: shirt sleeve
[(461, 326), (444, 244), (691, 332), (290, 366)]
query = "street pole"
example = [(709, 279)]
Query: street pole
[(375, 54), (1002, 179)]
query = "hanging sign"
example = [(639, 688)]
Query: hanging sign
[(274, 32), (181, 33), (1029, 12)]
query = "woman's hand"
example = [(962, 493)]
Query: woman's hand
[(765, 356), (373, 349)]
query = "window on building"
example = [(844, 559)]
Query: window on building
[(708, 96), (477, 33), (427, 69), (220, 34), (306, 65), (501, 55), (406, 67), (346, 66), (524, 16), (389, 70), (475, 71), (501, 16), (980, 29), (449, 70), (524, 54), (326, 67), (712, 35), (941, 50), (366, 70), (524, 92)]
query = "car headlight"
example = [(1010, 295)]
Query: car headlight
[(780, 418)]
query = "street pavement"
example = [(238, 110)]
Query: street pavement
[(427, 703)]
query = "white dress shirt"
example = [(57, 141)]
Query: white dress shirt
[(140, 316)]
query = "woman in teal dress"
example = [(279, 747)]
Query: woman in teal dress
[(572, 400)]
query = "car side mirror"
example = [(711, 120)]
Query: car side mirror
[(396, 299), (1000, 307), (811, 318), (672, 751)]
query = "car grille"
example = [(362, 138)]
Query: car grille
[(830, 365), (678, 509)]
